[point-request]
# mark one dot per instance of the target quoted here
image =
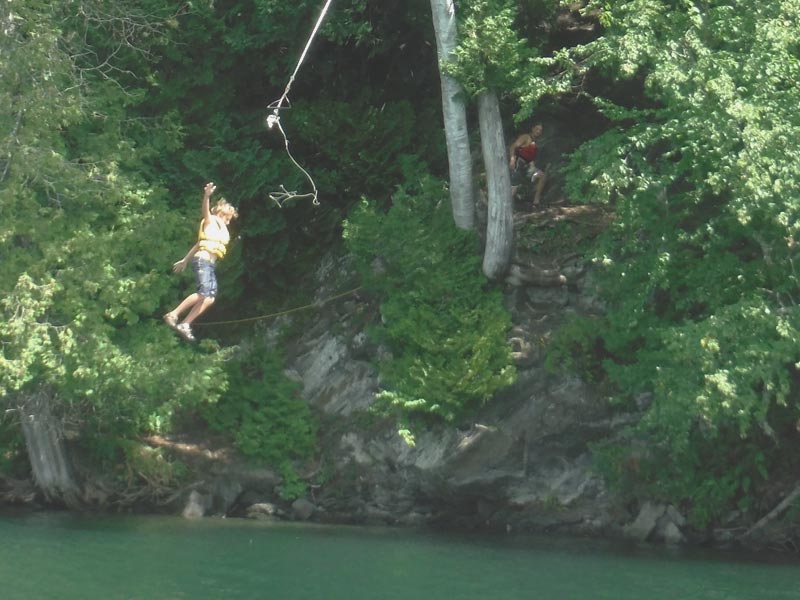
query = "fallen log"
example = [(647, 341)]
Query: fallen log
[(772, 515)]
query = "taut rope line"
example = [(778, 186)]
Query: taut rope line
[(274, 119), (277, 104), (283, 312)]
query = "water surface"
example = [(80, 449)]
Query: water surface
[(54, 555)]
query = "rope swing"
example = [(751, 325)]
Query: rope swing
[(283, 196), (317, 304)]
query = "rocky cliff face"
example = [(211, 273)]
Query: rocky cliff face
[(523, 463)]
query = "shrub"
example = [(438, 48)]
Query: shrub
[(445, 327), (269, 421)]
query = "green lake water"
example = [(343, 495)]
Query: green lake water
[(62, 556)]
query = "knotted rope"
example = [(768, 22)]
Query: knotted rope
[(284, 195)]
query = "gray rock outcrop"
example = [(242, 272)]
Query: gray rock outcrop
[(523, 463)]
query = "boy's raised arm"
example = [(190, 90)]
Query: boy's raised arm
[(207, 191)]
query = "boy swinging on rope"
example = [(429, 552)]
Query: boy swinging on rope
[(212, 242)]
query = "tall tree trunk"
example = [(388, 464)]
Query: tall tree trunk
[(500, 224), (455, 118), (47, 453)]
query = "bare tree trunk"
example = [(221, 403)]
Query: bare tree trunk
[(455, 118), (500, 224), (47, 453)]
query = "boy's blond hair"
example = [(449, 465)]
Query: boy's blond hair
[(223, 207)]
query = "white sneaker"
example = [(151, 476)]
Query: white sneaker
[(185, 332)]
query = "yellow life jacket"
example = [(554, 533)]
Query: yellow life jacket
[(214, 237)]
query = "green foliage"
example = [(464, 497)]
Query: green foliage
[(13, 461), (445, 328), (356, 105), (698, 267), (292, 486), (151, 466), (577, 347), (270, 421), (489, 53), (263, 409), (723, 474), (114, 113), (83, 238), (503, 46), (350, 165)]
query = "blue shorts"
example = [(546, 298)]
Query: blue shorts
[(206, 276)]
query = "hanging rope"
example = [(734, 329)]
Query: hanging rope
[(318, 304), (280, 198), (275, 119)]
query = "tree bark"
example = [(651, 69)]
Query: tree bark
[(44, 441), (455, 118), (500, 224)]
